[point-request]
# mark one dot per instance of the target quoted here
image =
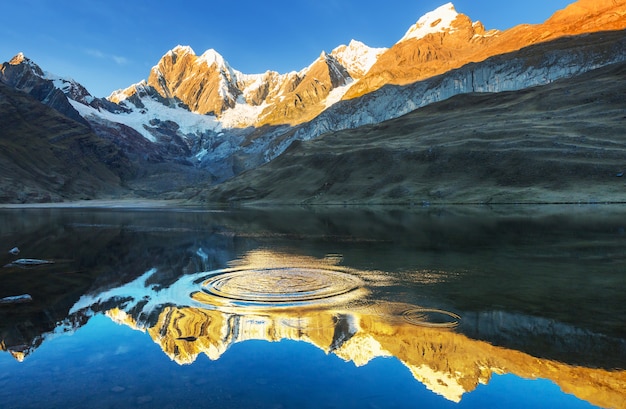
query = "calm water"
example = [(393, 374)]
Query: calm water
[(314, 308)]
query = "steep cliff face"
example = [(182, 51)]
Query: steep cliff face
[(306, 100), (444, 40), (206, 83)]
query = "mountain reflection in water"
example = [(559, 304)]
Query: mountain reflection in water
[(198, 284)]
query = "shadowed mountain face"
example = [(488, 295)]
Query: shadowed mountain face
[(47, 156), (556, 143)]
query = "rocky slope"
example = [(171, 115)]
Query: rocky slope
[(561, 142), (48, 157)]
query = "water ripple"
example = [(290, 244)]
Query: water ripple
[(278, 287), (431, 317)]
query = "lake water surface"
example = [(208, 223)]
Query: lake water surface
[(462, 307)]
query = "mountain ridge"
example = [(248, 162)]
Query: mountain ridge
[(413, 59), (201, 119)]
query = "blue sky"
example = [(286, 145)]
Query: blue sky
[(111, 44)]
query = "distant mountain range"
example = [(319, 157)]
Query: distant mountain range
[(197, 122)]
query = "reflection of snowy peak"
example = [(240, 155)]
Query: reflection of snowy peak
[(445, 361)]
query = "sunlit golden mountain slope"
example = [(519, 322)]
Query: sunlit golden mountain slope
[(415, 59)]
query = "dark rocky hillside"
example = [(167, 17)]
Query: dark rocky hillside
[(562, 142), (46, 156)]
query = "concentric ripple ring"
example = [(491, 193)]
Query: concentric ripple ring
[(431, 317), (278, 286)]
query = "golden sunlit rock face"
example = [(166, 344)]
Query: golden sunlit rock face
[(305, 101), (413, 59), (208, 85), (203, 82)]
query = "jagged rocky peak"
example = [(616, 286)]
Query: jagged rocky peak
[(20, 58), (134, 94), (211, 57), (23, 74), (337, 73), (206, 84), (356, 57)]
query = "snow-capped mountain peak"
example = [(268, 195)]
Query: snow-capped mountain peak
[(20, 58), (69, 86), (211, 57), (357, 57), (181, 50), (436, 21)]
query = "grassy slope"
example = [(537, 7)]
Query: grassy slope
[(563, 142), (45, 156)]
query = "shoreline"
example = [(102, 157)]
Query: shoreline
[(102, 204)]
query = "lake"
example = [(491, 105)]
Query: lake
[(453, 307)]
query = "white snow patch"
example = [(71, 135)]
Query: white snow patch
[(337, 93), (436, 21), (138, 119), (182, 49), (356, 56), (211, 57), (439, 382), (242, 114), (200, 155)]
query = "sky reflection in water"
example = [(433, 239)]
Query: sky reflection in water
[(420, 323)]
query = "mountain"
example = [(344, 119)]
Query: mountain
[(196, 121), (47, 142), (314, 94), (207, 84), (561, 142), (535, 65), (443, 40), (23, 74), (48, 157)]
